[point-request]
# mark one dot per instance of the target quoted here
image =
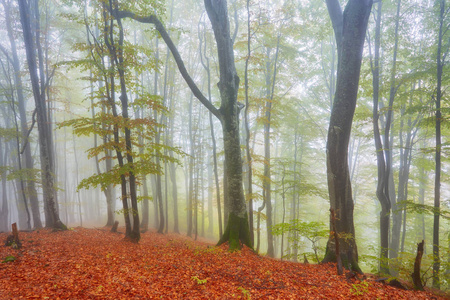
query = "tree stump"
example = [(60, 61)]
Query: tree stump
[(418, 285), (13, 239), (114, 228)]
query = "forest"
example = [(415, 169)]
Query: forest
[(305, 131)]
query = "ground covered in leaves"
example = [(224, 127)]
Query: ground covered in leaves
[(96, 264)]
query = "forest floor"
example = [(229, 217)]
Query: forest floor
[(97, 264)]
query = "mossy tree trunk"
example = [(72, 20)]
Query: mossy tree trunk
[(350, 30), (237, 228)]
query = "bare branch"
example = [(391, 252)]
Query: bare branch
[(152, 19)]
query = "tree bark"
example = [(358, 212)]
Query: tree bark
[(354, 24), (417, 280), (237, 229)]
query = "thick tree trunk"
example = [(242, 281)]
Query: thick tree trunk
[(237, 230), (354, 24)]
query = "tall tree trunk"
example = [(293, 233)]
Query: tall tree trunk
[(237, 229), (4, 212), (22, 183), (247, 130), (77, 180), (47, 179), (158, 192), (21, 103), (437, 180), (293, 236), (350, 30), (270, 86), (396, 211), (382, 182), (173, 173), (119, 56), (406, 145), (190, 196), (423, 180), (205, 65), (110, 93)]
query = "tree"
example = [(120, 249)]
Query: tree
[(21, 104), (440, 61), (382, 190), (45, 146), (205, 63), (237, 228), (350, 30), (247, 128), (4, 211), (396, 212)]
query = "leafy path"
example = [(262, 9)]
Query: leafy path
[(96, 264)]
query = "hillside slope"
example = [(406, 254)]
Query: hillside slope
[(96, 264)]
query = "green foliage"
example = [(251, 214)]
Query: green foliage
[(245, 292), (413, 207), (359, 289), (107, 120), (198, 280), (8, 133), (24, 174), (312, 231), (9, 258), (129, 211)]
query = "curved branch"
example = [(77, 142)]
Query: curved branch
[(152, 19), (337, 20)]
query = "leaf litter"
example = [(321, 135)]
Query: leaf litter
[(97, 264)]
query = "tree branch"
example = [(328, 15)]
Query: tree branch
[(28, 133), (152, 19), (337, 19)]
